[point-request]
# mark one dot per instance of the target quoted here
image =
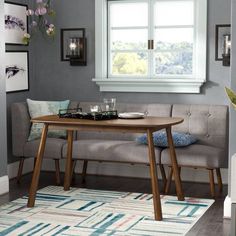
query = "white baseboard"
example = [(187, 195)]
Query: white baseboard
[(227, 208), (115, 169), (4, 184), (233, 179)]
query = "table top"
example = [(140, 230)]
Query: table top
[(147, 122)]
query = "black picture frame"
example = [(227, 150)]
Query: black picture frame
[(24, 9), (22, 67), (64, 32), (220, 30)]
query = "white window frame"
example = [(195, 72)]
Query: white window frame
[(169, 84)]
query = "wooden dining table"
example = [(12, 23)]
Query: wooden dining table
[(146, 125)]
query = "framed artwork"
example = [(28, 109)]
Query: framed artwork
[(219, 40), (16, 23), (17, 71)]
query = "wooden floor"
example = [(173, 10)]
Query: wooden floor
[(211, 224)]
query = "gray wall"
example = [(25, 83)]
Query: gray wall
[(58, 80), (3, 143), (19, 96)]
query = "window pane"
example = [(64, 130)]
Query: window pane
[(174, 13), (131, 63), (129, 39), (128, 14), (173, 63), (174, 39)]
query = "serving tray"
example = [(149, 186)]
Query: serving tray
[(78, 114)]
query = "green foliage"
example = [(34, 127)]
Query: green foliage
[(129, 64), (232, 96), (176, 60)]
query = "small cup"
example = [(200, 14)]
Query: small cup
[(95, 108), (109, 104)]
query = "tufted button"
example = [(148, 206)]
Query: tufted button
[(189, 113), (207, 135), (208, 114)]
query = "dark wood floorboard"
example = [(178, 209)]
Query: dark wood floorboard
[(211, 224)]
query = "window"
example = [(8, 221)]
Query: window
[(151, 45), (128, 38)]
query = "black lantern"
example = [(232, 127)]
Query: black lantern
[(73, 46), (223, 44)]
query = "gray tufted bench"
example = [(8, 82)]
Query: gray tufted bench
[(22, 148), (209, 123)]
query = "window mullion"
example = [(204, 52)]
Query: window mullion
[(150, 37)]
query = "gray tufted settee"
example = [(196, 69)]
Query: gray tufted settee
[(209, 123)]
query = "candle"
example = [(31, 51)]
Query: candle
[(226, 44)]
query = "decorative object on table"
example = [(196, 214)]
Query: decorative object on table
[(43, 108), (16, 23), (223, 44), (99, 212), (17, 71), (109, 104), (160, 139), (40, 21), (73, 46), (131, 115), (93, 115), (232, 96), (95, 108)]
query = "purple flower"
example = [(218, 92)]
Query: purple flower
[(40, 11), (30, 12), (39, 1), (34, 23), (51, 26)]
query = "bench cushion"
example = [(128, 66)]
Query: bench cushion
[(53, 148), (196, 155), (110, 150)]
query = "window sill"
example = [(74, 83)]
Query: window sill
[(149, 85)]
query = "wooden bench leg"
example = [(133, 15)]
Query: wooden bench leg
[(219, 180), (212, 182), (57, 168), (34, 162), (73, 170), (85, 165), (20, 169), (163, 175), (168, 184)]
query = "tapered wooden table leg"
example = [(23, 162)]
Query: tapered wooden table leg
[(37, 169), (175, 167), (67, 180), (154, 180)]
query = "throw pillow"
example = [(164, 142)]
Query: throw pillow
[(43, 108), (160, 139)]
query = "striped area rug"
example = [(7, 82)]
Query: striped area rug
[(90, 212)]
